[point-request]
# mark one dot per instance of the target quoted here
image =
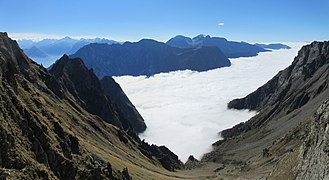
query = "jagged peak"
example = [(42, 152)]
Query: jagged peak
[(60, 66), (3, 34), (67, 38), (313, 49), (65, 56), (316, 44), (200, 36), (12, 58)]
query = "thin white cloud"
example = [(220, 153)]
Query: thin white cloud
[(221, 24), (185, 110), (33, 36), (40, 36)]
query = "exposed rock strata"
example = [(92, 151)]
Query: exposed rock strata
[(287, 137)]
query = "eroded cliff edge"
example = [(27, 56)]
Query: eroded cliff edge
[(288, 135)]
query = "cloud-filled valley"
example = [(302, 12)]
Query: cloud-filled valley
[(185, 110)]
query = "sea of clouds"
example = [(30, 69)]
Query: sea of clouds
[(185, 110)]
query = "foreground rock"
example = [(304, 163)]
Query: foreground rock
[(191, 162)]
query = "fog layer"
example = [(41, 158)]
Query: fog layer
[(185, 110)]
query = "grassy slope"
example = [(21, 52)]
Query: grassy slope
[(97, 140)]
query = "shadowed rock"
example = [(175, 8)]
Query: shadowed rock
[(148, 57)]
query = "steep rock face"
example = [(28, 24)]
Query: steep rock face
[(12, 58), (85, 86), (105, 99), (289, 130), (126, 109), (314, 152), (231, 49), (309, 66), (46, 133), (148, 57), (290, 89)]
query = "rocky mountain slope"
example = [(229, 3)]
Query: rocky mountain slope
[(148, 57), (85, 86), (126, 109), (287, 139), (48, 132), (231, 49)]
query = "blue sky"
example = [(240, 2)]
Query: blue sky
[(243, 20)]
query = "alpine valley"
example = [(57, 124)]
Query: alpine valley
[(73, 121)]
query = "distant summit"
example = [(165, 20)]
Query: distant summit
[(274, 46), (36, 52), (231, 49), (38, 55), (148, 57), (47, 51)]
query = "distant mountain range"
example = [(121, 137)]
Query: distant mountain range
[(148, 57), (231, 49), (274, 46), (48, 50)]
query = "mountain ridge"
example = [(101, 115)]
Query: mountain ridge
[(148, 57), (231, 49)]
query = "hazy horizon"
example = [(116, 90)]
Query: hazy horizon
[(40, 37)]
